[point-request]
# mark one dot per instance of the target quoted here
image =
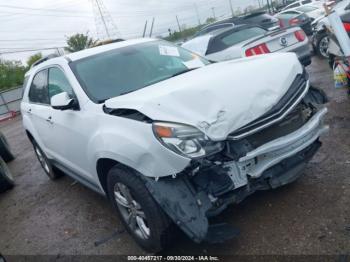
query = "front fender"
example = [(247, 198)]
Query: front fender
[(133, 144)]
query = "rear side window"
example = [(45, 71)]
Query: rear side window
[(58, 83), (38, 92), (306, 2)]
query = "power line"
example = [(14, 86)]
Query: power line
[(105, 26), (30, 39), (30, 50), (53, 15)]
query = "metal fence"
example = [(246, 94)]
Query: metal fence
[(10, 101)]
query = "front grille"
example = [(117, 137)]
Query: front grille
[(292, 122), (279, 110)]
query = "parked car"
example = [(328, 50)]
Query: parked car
[(6, 178), (287, 19), (298, 3), (262, 19), (311, 11), (169, 137), (320, 38), (248, 40)]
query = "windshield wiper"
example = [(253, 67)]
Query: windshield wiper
[(126, 92), (184, 71)]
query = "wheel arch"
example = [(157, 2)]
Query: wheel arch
[(103, 166), (29, 135)]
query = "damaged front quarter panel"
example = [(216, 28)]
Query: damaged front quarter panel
[(188, 208), (208, 186)]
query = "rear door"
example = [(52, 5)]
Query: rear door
[(38, 108)]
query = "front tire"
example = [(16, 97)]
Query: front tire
[(322, 45), (6, 179), (141, 215), (45, 163)]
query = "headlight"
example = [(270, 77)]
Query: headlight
[(185, 140)]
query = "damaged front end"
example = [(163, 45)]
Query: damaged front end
[(269, 152)]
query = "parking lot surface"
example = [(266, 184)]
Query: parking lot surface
[(311, 216)]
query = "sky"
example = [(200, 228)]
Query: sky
[(34, 24)]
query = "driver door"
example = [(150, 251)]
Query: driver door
[(67, 139)]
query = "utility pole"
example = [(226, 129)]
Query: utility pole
[(144, 29), (268, 6), (197, 13), (213, 9), (178, 23), (231, 8), (103, 19), (259, 3), (105, 26), (150, 33)]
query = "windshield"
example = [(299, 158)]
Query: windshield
[(306, 9), (287, 15), (127, 69)]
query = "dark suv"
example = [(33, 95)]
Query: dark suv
[(262, 19)]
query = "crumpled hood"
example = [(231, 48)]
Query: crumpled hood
[(217, 99)]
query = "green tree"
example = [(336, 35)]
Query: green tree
[(210, 20), (11, 74), (32, 59), (79, 42)]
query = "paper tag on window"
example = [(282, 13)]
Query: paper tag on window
[(194, 63), (168, 50)]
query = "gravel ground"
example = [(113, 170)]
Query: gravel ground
[(311, 216)]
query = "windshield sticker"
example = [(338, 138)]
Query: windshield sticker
[(194, 63), (168, 50)]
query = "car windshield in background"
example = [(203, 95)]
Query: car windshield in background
[(306, 8), (287, 15), (127, 69), (242, 35)]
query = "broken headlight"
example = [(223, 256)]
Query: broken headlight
[(186, 140)]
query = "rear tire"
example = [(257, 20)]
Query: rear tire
[(5, 150), (124, 186), (45, 163), (6, 179)]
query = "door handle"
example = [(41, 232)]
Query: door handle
[(29, 111), (49, 119)]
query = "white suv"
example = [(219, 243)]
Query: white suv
[(169, 137)]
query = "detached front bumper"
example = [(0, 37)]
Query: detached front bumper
[(207, 188), (257, 161)]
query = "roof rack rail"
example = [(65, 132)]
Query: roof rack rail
[(109, 41), (44, 59)]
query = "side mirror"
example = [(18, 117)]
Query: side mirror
[(62, 101)]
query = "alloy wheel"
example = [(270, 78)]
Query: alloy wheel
[(323, 47), (131, 211)]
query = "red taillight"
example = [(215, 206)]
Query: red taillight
[(280, 23), (300, 35), (347, 27), (257, 50), (294, 21)]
